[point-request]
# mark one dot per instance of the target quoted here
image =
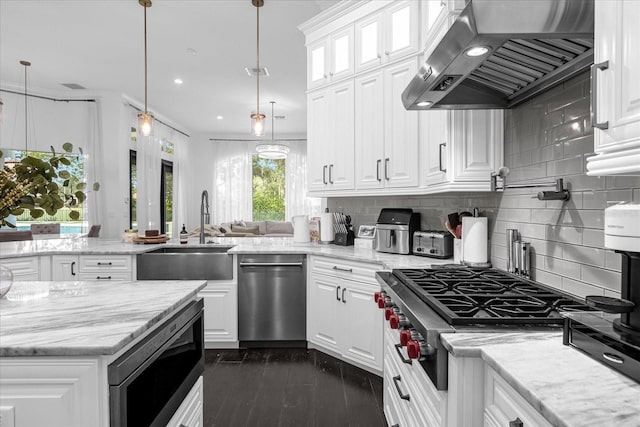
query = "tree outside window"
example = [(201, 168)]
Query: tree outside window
[(268, 189)]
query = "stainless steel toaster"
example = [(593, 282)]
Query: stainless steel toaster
[(433, 243)]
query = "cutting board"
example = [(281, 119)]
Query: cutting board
[(151, 239)]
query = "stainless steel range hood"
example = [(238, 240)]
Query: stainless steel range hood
[(532, 45)]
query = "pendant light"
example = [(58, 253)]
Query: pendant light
[(257, 118), (272, 150), (145, 120)]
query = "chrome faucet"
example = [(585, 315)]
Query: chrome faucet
[(204, 216)]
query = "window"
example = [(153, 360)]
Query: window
[(166, 198), (133, 189), (268, 184), (75, 167)]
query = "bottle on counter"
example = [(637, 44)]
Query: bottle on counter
[(184, 236)]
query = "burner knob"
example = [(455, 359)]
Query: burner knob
[(413, 349), (389, 311), (377, 296), (396, 320), (407, 335), (384, 302), (418, 348)]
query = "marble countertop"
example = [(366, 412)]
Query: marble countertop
[(85, 318), (94, 246), (567, 387)]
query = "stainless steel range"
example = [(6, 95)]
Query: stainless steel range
[(423, 303)]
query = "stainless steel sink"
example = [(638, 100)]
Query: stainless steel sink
[(186, 263)]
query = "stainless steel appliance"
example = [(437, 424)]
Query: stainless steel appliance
[(272, 300), (423, 303), (613, 337), (149, 382), (498, 54), (394, 230), (434, 244)]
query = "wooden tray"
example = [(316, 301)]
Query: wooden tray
[(151, 240)]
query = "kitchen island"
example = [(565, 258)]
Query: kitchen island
[(57, 340)]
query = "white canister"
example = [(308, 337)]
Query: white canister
[(300, 228)]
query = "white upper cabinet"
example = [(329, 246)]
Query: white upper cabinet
[(330, 58), (389, 34), (615, 89)]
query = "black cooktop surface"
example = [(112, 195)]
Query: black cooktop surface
[(467, 296)]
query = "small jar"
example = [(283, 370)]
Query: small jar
[(129, 235)]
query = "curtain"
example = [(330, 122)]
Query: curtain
[(93, 166), (232, 198)]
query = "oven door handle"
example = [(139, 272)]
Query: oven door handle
[(407, 361), (396, 380)]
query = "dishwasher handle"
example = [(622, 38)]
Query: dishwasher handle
[(271, 264)]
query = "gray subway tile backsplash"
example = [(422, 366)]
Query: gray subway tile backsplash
[(547, 137)]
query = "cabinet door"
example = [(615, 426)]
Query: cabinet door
[(362, 324), (317, 54), (323, 326), (434, 142), (369, 42), (616, 98), (340, 145), (401, 29), (401, 129), (220, 313), (23, 268), (369, 138), (317, 131), (64, 267), (341, 53)]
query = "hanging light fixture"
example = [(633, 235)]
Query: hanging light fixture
[(145, 120), (26, 65), (257, 118), (272, 150)]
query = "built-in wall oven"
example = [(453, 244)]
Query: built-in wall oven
[(149, 382)]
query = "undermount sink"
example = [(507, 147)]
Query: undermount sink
[(185, 263)]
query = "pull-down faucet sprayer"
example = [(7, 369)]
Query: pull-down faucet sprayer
[(204, 213)]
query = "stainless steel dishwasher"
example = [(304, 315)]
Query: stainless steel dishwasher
[(272, 300)]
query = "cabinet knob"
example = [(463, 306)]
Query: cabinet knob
[(516, 423)]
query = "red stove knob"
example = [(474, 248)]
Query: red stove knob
[(384, 302), (376, 296), (388, 312), (405, 337), (413, 349), (396, 320)]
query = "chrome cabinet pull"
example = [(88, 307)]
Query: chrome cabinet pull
[(444, 144), (378, 169), (330, 174), (337, 293), (348, 270), (386, 169), (396, 380), (613, 358), (270, 264), (407, 361), (594, 95), (516, 423), (343, 291), (73, 273), (324, 174)]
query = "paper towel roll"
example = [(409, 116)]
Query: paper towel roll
[(474, 240), (326, 228)]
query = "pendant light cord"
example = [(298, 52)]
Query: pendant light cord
[(272, 116), (258, 60), (145, 58), (26, 116)]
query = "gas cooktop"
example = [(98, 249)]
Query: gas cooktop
[(470, 296)]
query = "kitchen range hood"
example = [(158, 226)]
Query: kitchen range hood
[(499, 53)]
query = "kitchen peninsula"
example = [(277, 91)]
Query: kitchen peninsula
[(60, 340)]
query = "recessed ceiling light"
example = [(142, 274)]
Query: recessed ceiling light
[(424, 103), (477, 51), (178, 81), (219, 117)]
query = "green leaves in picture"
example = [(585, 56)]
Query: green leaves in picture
[(43, 183)]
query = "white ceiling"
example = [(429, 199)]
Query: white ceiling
[(99, 44)]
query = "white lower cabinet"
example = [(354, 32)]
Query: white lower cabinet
[(65, 267), (503, 405), (190, 413), (105, 267), (220, 314), (25, 268), (341, 314)]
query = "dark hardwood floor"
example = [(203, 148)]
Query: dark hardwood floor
[(288, 387)]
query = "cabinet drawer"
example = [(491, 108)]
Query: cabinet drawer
[(23, 268), (502, 404), (352, 270), (105, 263), (105, 275)]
